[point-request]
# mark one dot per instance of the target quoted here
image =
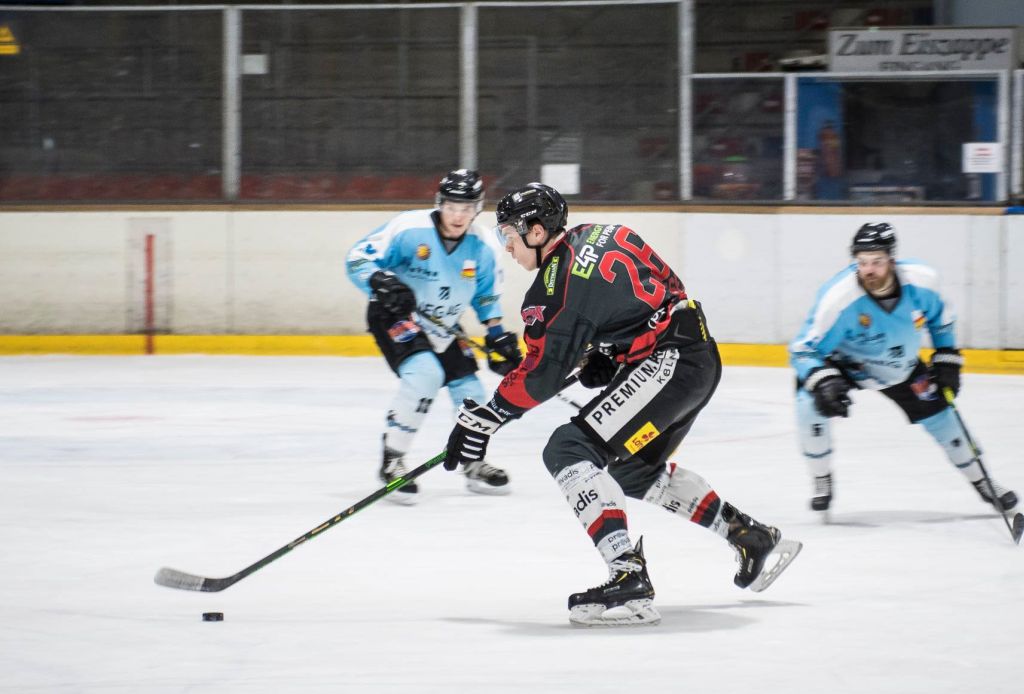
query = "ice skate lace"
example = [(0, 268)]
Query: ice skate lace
[(481, 469), (622, 565), (823, 485), (983, 488), (397, 468)]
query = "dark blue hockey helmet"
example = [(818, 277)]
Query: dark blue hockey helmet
[(874, 236), (535, 202), (461, 185)]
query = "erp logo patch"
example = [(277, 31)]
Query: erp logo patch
[(423, 251), (643, 436), (469, 270)]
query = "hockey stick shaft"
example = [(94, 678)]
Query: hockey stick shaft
[(1017, 529), (172, 578), (484, 349)]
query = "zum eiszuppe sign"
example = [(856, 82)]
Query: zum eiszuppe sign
[(922, 48)]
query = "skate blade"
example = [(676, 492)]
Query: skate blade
[(786, 552), (632, 613), (478, 487)]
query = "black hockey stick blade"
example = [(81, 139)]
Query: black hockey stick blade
[(172, 578), (1017, 527)]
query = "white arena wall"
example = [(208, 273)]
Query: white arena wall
[(238, 271)]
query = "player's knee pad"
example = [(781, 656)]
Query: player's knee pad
[(599, 504), (569, 444), (466, 387), (815, 434), (684, 492), (948, 433)]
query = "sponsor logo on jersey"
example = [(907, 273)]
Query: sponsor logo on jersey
[(533, 314), (551, 275), (918, 318), (469, 270), (643, 436), (423, 251), (403, 331), (865, 320), (616, 408), (584, 264), (421, 272)]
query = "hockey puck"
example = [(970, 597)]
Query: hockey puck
[(213, 616)]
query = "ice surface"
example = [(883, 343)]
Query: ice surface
[(111, 467)]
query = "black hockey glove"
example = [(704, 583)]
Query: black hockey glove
[(945, 369), (474, 425), (829, 389), (598, 370), (394, 296), (505, 345)]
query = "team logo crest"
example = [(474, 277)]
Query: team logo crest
[(423, 251), (469, 270), (918, 319), (533, 314), (865, 320)]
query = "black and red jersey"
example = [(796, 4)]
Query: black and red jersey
[(600, 286)]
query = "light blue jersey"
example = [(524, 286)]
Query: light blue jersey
[(445, 284), (875, 347)]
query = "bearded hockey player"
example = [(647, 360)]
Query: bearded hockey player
[(864, 332)]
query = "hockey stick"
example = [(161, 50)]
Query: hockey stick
[(484, 349), (1017, 527), (172, 578)]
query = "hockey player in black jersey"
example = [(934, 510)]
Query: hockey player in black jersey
[(603, 299)]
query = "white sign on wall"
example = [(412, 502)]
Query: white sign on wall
[(982, 157), (895, 49)]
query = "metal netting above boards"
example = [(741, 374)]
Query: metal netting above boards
[(373, 102)]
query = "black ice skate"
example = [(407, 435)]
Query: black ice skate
[(754, 543), (822, 499), (484, 478), (391, 469), (628, 586), (1007, 498)]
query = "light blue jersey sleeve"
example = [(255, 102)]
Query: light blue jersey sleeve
[(876, 347), (821, 331), (384, 248)]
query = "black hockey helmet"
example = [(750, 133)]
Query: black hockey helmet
[(535, 202), (874, 236), (461, 185)]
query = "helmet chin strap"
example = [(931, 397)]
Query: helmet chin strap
[(537, 249)]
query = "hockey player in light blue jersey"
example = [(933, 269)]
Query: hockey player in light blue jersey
[(864, 332), (426, 265)]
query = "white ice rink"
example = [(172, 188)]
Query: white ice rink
[(111, 467)]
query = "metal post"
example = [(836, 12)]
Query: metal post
[(1003, 131), (1017, 139), (789, 140), (468, 121), (686, 54), (232, 95)]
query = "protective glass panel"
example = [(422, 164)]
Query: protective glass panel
[(110, 105), (582, 98), (349, 104), (878, 141), (737, 139)]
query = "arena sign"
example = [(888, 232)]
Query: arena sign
[(922, 48)]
